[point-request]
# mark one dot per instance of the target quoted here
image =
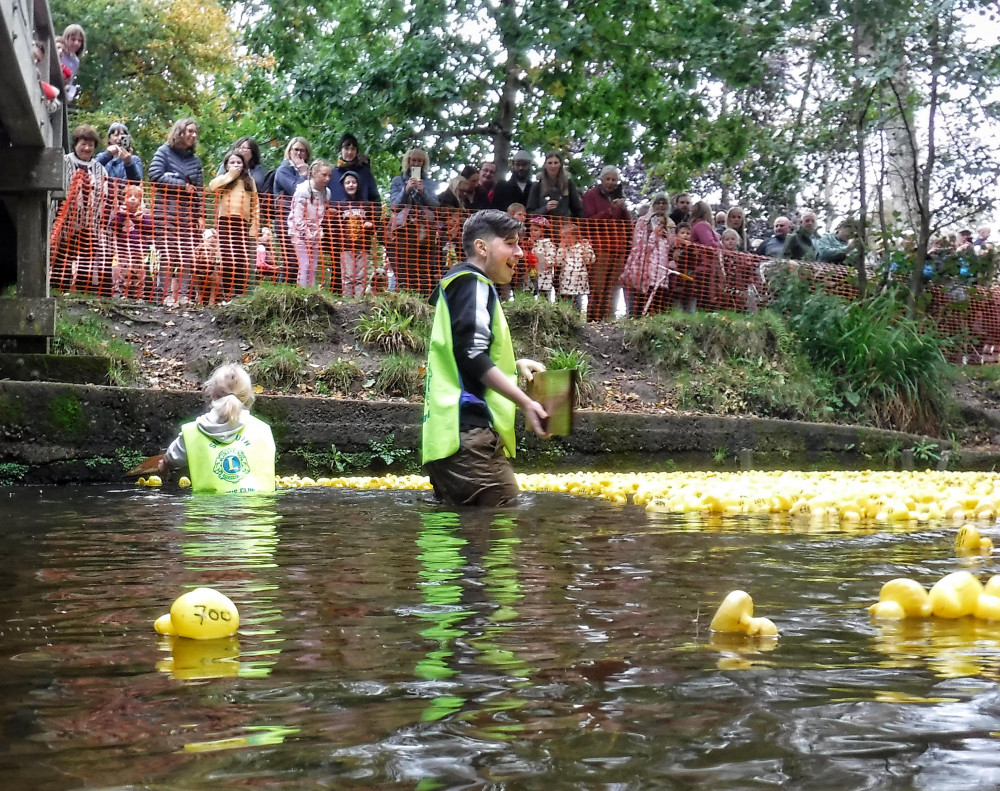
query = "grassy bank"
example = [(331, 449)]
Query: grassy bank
[(810, 356)]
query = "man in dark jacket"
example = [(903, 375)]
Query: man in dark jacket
[(800, 246), (515, 189), (774, 246)]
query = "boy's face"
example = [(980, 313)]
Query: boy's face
[(499, 257), (133, 200), (684, 234), (519, 214), (729, 242), (351, 185)]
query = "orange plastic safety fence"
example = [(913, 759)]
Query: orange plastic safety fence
[(171, 244)]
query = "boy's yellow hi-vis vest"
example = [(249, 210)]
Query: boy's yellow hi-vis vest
[(443, 387), (244, 465)]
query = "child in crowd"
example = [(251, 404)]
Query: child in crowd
[(266, 267), (49, 91), (72, 47), (685, 261), (518, 212), (526, 277), (451, 250), (577, 257), (226, 450), (132, 228), (305, 220), (547, 255), (356, 230), (207, 274), (740, 278)]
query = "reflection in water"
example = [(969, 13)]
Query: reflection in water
[(950, 648), (229, 540), (558, 645), (197, 659), (469, 588)]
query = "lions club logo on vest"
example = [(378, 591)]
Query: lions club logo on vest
[(231, 466)]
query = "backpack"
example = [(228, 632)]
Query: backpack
[(268, 186)]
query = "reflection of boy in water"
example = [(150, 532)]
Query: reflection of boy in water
[(471, 393)]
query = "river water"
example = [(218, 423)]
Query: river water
[(388, 643)]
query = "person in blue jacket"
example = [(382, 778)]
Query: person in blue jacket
[(119, 158)]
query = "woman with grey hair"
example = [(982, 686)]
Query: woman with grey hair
[(119, 158), (609, 234)]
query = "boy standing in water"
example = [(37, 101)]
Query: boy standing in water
[(471, 391)]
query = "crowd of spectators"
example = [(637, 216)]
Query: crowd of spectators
[(163, 234)]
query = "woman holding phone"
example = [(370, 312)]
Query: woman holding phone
[(412, 232)]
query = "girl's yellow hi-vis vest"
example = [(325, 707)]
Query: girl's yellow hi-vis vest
[(443, 386), (244, 465)]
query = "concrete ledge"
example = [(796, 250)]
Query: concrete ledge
[(58, 433)]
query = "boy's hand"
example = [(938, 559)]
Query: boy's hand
[(528, 368), (535, 416)]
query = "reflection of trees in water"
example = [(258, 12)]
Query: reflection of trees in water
[(111, 583)]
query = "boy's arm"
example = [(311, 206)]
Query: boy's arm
[(534, 412)]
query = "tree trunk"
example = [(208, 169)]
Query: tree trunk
[(507, 25)]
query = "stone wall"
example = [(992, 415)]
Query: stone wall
[(59, 433)]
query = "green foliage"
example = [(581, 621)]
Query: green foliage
[(887, 368), (926, 452), (340, 375), (151, 62), (537, 324), (388, 329), (129, 458), (381, 455), (400, 375), (675, 340), (12, 473), (732, 364), (89, 335), (65, 415), (279, 368), (282, 314), (575, 359)]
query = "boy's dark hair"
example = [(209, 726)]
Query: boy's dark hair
[(683, 225), (486, 225)]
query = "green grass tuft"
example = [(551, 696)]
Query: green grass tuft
[(401, 375), (340, 375), (282, 314), (537, 324), (88, 335), (279, 368)]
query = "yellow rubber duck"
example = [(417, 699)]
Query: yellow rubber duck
[(969, 542), (200, 614), (902, 598), (955, 595), (735, 614)]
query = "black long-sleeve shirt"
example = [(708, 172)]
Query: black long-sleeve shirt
[(471, 305)]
